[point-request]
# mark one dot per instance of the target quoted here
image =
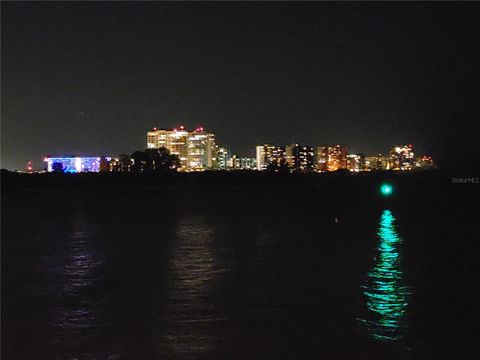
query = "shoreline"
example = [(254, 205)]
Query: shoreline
[(12, 182)]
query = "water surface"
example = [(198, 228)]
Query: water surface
[(237, 274)]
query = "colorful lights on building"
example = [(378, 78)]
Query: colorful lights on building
[(402, 157), (330, 158), (75, 164), (337, 158), (197, 151), (333, 158)]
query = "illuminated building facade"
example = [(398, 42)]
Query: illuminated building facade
[(157, 138), (195, 149), (269, 154), (356, 162), (274, 154), (424, 162), (377, 162), (77, 164), (242, 163), (260, 156), (299, 158), (223, 158), (402, 157), (337, 158), (174, 140), (321, 158), (177, 145), (200, 150)]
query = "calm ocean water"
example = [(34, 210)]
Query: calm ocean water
[(239, 274)]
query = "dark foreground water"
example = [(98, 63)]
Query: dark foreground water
[(240, 274)]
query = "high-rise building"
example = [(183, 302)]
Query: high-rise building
[(424, 162), (337, 158), (242, 163), (299, 157), (377, 162), (356, 162), (321, 158), (223, 156), (195, 149), (201, 150), (157, 138), (174, 140), (269, 154), (261, 163), (274, 154), (371, 163), (176, 144), (402, 157)]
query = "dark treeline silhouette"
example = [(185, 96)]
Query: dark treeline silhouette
[(280, 166), (152, 160)]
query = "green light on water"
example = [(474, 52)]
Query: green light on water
[(386, 189), (385, 292)]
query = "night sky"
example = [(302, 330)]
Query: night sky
[(91, 78)]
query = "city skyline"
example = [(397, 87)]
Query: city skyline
[(40, 158), (236, 180), (88, 78), (192, 150), (197, 150)]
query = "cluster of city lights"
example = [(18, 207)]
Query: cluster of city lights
[(197, 150)]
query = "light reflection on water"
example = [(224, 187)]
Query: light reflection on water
[(80, 276), (386, 293), (79, 322), (192, 316), (81, 264)]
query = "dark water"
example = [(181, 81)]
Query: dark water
[(238, 274)]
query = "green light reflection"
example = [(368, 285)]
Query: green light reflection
[(385, 291)]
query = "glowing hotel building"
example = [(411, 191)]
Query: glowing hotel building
[(175, 141), (200, 150), (195, 149)]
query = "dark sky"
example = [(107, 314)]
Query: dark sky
[(91, 78)]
